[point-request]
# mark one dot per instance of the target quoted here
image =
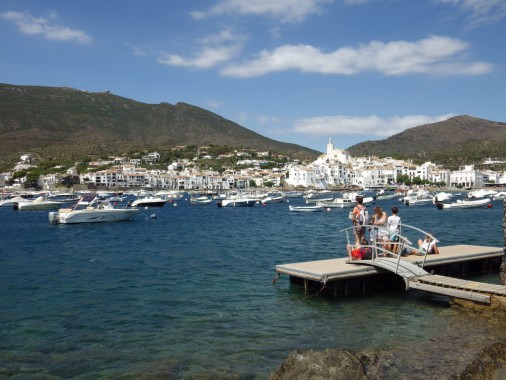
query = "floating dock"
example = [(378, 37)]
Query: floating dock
[(345, 277)]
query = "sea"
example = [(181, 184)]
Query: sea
[(186, 292)]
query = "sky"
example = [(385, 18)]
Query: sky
[(296, 71)]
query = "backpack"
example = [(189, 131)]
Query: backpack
[(362, 217)]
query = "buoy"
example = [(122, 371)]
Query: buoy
[(175, 204), (153, 216), (328, 208), (489, 205)]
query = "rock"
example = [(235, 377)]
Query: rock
[(330, 364), (489, 364)]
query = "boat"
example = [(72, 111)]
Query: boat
[(39, 203), (347, 200), (149, 201), (200, 200), (465, 203), (94, 212), (305, 208), (237, 202), (337, 203), (273, 198), (383, 194), (9, 202), (441, 197), (315, 200), (481, 193)]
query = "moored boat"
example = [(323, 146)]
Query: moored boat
[(39, 203), (92, 212), (149, 201), (305, 208), (238, 202), (200, 200), (465, 203)]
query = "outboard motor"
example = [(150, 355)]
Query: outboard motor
[(54, 217)]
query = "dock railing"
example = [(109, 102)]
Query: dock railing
[(382, 248)]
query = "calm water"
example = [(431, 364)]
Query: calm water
[(189, 294)]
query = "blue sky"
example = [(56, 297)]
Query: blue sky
[(298, 71)]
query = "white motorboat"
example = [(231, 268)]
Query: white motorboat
[(442, 197), (149, 201), (238, 202), (200, 200), (337, 203), (305, 208), (481, 193), (465, 203), (94, 212), (39, 203), (9, 202), (273, 199)]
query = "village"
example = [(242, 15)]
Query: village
[(333, 170)]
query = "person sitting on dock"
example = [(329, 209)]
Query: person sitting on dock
[(427, 245)]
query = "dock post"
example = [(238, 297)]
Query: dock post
[(503, 264)]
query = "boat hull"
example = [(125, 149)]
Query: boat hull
[(160, 203), (467, 204), (306, 208), (237, 202), (29, 206), (92, 216)]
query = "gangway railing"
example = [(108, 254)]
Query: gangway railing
[(379, 248)]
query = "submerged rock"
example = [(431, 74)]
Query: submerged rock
[(340, 364), (320, 365), (489, 364)]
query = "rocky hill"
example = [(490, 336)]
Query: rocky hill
[(456, 141), (57, 123)]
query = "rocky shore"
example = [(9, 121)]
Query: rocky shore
[(339, 364)]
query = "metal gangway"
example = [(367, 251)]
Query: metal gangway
[(413, 272)]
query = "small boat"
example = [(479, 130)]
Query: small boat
[(149, 201), (92, 212), (337, 203), (305, 208), (39, 203), (465, 203), (238, 202), (10, 201), (200, 200), (273, 199)]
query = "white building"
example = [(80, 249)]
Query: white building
[(467, 177)]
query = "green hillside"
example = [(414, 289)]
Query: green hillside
[(57, 123)]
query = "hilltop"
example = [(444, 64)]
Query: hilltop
[(456, 141), (60, 122)]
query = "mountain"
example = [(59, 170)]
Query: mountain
[(456, 141), (56, 123)]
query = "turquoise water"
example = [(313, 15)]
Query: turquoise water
[(189, 294)]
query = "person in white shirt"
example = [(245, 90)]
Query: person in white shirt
[(394, 229)]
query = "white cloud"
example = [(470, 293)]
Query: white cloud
[(214, 103), (30, 25), (216, 49), (284, 10), (138, 52), (433, 55), (363, 125), (481, 11)]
